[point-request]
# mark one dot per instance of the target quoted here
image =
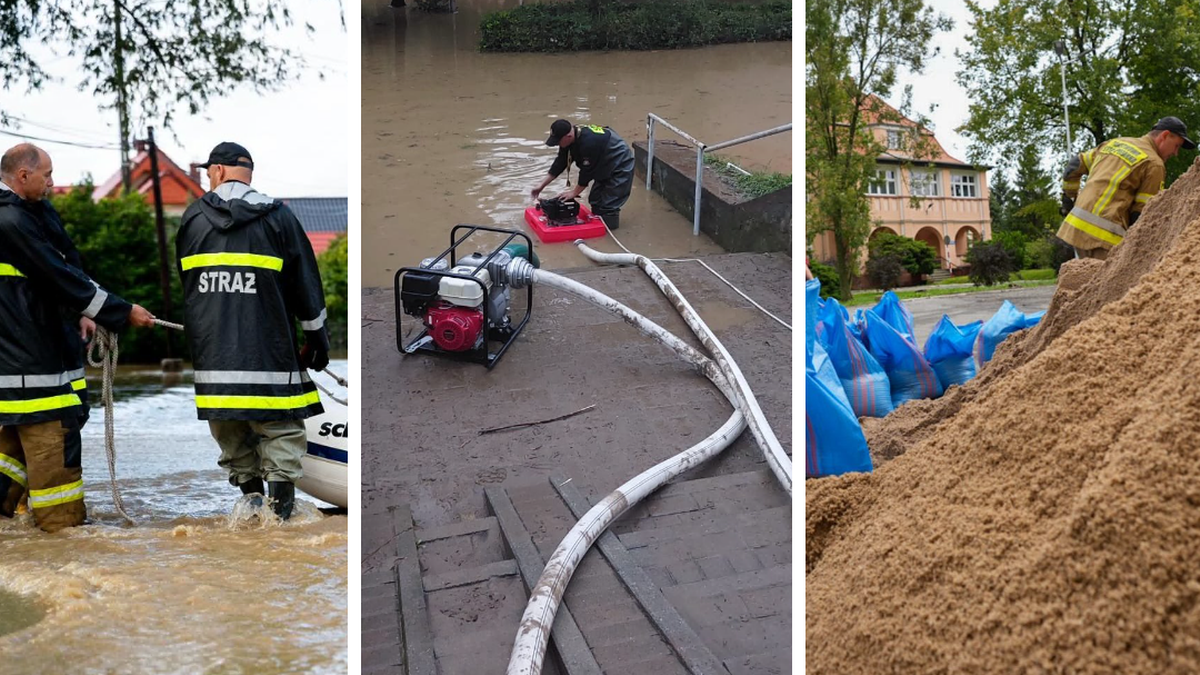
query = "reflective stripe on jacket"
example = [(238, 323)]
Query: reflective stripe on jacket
[(1122, 175)]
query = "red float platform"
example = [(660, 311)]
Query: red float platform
[(587, 226)]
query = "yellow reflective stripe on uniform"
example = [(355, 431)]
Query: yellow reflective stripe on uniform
[(1087, 158), (258, 402), (40, 499), (12, 468), (233, 259), (81, 383), (595, 128), (1143, 197), (40, 404), (1088, 228), (7, 270), (1111, 190)]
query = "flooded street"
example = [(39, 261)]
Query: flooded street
[(452, 136), (188, 589)]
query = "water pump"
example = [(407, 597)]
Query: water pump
[(465, 304)]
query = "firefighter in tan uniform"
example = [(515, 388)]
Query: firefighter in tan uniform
[(41, 410), (1123, 174)]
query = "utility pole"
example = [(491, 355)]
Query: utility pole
[(163, 269), (122, 110)]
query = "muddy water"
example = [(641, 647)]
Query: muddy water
[(451, 135), (191, 588)]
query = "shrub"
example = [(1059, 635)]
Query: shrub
[(1014, 242), (333, 265), (884, 271), (990, 263), (1061, 252), (831, 285), (654, 24), (915, 256)]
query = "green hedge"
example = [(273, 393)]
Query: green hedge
[(654, 24)]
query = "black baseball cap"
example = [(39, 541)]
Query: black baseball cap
[(1176, 126), (229, 154), (559, 129)]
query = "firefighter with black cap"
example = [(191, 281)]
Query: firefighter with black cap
[(42, 296), (1123, 174), (249, 274), (605, 162)]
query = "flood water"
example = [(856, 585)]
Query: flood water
[(189, 588), (452, 136)]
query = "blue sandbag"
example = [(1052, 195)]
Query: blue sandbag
[(1006, 321), (891, 310), (866, 384), (949, 350), (858, 327), (910, 374), (833, 441)]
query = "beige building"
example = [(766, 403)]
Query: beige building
[(952, 211)]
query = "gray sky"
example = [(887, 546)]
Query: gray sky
[(937, 85), (300, 136)]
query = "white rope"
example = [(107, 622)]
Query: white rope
[(330, 393), (723, 279), (102, 353)]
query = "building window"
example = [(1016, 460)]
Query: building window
[(895, 139), (925, 183), (963, 185), (884, 182)]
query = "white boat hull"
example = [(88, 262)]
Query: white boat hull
[(325, 464)]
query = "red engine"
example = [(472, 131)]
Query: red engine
[(454, 328)]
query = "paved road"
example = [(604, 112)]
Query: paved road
[(967, 307)]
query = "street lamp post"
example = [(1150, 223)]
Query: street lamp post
[(1060, 48)]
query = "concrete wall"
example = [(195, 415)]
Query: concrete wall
[(763, 224)]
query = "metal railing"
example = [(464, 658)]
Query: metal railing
[(652, 120)]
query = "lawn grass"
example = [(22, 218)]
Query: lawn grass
[(872, 297)]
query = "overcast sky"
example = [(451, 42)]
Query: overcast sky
[(299, 136), (937, 85)]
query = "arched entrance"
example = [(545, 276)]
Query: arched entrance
[(934, 239), (966, 236)]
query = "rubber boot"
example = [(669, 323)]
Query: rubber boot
[(612, 220), (254, 486), (283, 497)]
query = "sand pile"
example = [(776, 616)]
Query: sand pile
[(1047, 518)]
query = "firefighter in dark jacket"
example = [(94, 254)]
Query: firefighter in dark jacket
[(249, 273), (41, 296), (605, 162)]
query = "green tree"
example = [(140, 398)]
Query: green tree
[(117, 241), (1034, 207), (147, 59), (1000, 198), (1127, 65), (333, 265), (854, 50)]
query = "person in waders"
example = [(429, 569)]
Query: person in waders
[(47, 306), (605, 163), (249, 274)]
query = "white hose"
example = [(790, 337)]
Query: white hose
[(533, 636), (777, 459)]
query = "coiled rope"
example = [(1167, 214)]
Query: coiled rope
[(102, 353)]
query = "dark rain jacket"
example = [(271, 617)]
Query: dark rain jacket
[(40, 351), (598, 152), (248, 274)]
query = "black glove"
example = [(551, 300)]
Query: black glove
[(314, 358), (1133, 218), (1067, 205)]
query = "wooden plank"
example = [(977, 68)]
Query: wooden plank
[(455, 530), (575, 657), (698, 658), (474, 575), (414, 615)]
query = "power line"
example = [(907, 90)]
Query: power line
[(27, 137)]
